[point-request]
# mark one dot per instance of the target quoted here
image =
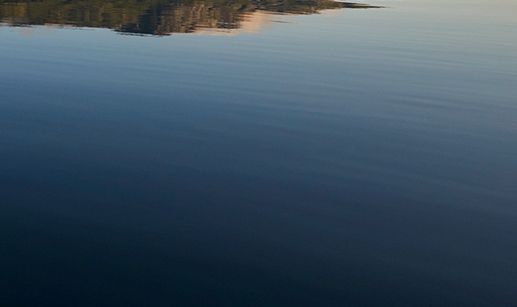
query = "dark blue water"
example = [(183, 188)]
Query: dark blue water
[(349, 158)]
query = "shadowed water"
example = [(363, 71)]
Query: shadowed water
[(324, 156), (155, 17)]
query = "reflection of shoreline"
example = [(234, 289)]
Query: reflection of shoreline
[(160, 17), (250, 24)]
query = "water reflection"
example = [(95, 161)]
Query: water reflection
[(161, 17)]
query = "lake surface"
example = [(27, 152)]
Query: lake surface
[(249, 153)]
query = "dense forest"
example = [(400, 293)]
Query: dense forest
[(156, 17)]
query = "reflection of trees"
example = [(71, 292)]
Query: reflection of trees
[(158, 17)]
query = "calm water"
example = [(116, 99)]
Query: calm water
[(258, 154)]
